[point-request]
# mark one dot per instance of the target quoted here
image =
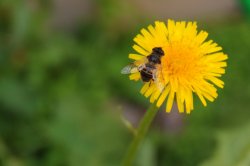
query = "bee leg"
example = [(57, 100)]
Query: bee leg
[(154, 76), (140, 67), (150, 83)]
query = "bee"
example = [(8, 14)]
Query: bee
[(149, 67)]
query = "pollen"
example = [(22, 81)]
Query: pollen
[(191, 65)]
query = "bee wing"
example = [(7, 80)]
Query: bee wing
[(134, 67), (131, 68), (159, 85), (157, 76), (141, 61)]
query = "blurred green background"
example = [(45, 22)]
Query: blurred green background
[(63, 100)]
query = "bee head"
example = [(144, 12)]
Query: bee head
[(158, 51)]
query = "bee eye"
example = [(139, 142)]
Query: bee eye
[(158, 50)]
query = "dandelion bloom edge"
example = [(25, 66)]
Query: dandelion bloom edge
[(190, 65)]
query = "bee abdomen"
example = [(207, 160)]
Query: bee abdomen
[(146, 76)]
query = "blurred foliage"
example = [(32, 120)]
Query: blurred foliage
[(233, 148), (59, 93), (245, 4), (49, 89)]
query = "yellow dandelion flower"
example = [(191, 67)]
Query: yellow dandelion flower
[(189, 64)]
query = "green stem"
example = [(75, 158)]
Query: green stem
[(141, 132)]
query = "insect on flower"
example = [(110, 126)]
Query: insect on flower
[(148, 67), (176, 61)]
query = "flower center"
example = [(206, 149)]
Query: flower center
[(180, 62)]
